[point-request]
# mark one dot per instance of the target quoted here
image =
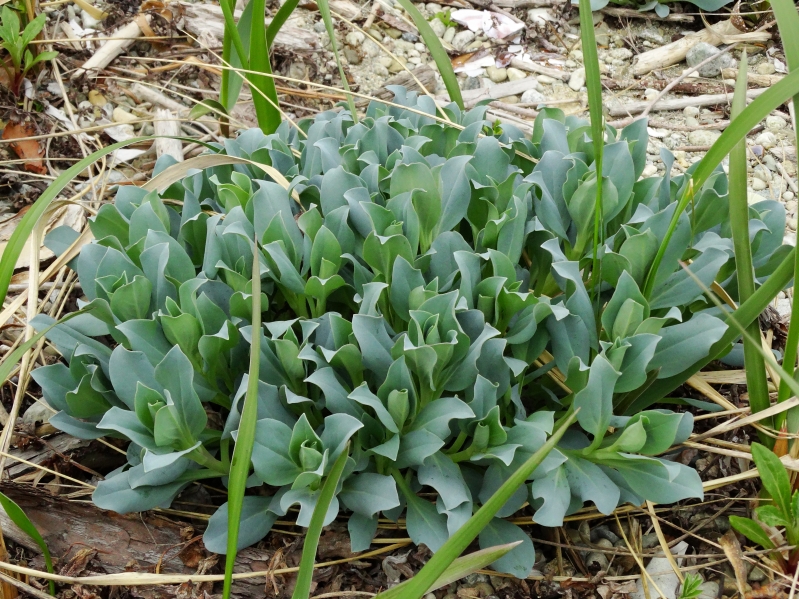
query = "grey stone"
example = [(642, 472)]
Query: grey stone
[(472, 83), (532, 96), (701, 52), (352, 55), (438, 27), (577, 80), (462, 39), (621, 54), (545, 79), (765, 68), (516, 74), (690, 111), (597, 561), (775, 123), (758, 184), (410, 37), (766, 139), (757, 575), (703, 137), (449, 34)]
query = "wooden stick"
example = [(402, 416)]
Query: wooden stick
[(678, 104), (165, 126), (629, 13), (119, 41), (534, 67)]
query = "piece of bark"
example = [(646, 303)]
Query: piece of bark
[(716, 34), (678, 104), (41, 453), (117, 43), (650, 15), (166, 126), (207, 19), (534, 67), (496, 92)]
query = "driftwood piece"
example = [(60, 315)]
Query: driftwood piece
[(678, 104), (117, 43), (423, 73), (665, 56), (131, 543), (527, 3), (650, 15), (41, 453), (753, 78), (501, 90), (166, 126), (206, 19), (148, 94), (534, 67)]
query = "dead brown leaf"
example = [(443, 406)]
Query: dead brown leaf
[(28, 150), (78, 562), (732, 549)]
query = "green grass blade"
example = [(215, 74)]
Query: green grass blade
[(756, 382), (324, 10), (26, 225), (594, 86), (264, 93), (788, 22), (302, 589), (437, 51), (19, 518), (458, 542), (232, 81), (280, 18), (746, 313), (759, 109), (242, 453), (465, 565)]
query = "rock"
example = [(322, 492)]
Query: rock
[(545, 79), (354, 38), (602, 34), (497, 75), (703, 137), (462, 39), (438, 27), (702, 51), (691, 122), (762, 173), (123, 116), (621, 54), (690, 111), (651, 94), (319, 26), (352, 55), (510, 99), (662, 574), (649, 540), (759, 185), (396, 67), (710, 590), (409, 36), (532, 96), (650, 170), (773, 122), (516, 74), (791, 222), (765, 68), (471, 83), (788, 196), (757, 575), (766, 139), (96, 98), (449, 34), (393, 33), (597, 561), (577, 80), (434, 8)]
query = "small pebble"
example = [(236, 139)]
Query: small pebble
[(765, 68), (577, 80), (438, 27), (650, 170), (497, 75), (703, 137), (702, 51), (691, 122), (449, 35), (462, 39), (354, 38), (766, 139), (96, 98), (516, 74), (690, 111), (788, 196), (545, 79), (122, 116), (409, 36), (757, 575), (532, 96), (759, 184), (651, 94), (773, 123), (762, 173)]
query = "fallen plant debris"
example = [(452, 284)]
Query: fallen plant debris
[(29, 151)]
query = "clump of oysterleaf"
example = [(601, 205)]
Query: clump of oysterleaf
[(428, 297)]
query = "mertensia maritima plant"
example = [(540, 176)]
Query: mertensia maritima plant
[(428, 296)]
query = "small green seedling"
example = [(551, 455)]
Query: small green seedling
[(781, 512), (15, 42), (691, 586)]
